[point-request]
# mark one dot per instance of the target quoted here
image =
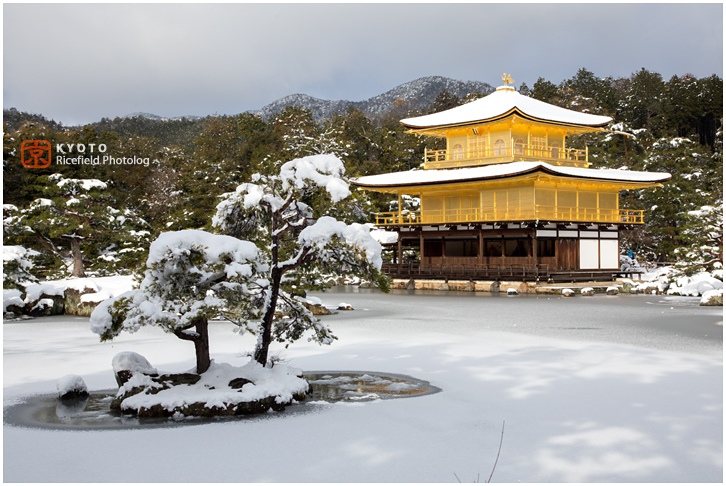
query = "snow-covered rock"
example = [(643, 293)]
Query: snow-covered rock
[(13, 301), (128, 363), (587, 291), (712, 297), (512, 292), (71, 386), (695, 285), (568, 293), (215, 392)]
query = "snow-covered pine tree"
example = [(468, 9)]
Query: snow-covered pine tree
[(703, 235), (302, 248), (191, 276), (79, 211), (17, 266)]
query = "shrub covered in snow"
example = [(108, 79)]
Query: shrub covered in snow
[(712, 297), (191, 276), (17, 267), (703, 233)]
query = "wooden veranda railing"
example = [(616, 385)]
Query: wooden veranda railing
[(513, 151), (514, 272), (538, 213), (467, 271)]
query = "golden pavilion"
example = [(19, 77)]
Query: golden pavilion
[(508, 197)]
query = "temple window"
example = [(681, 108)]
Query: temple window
[(499, 147), (458, 152)]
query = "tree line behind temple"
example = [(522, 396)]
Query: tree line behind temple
[(675, 126)]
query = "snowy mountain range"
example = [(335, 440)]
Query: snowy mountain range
[(418, 94), (151, 116)]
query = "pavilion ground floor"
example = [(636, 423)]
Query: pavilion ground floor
[(526, 251)]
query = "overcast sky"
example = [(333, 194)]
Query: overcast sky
[(78, 63)]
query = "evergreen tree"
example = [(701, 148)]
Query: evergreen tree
[(544, 90), (300, 245), (643, 104), (703, 241), (444, 101), (79, 213)]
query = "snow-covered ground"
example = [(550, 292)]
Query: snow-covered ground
[(589, 389)]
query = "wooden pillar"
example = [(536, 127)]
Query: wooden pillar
[(400, 251), (421, 247), (480, 252), (400, 215)]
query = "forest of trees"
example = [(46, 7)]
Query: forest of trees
[(675, 126)]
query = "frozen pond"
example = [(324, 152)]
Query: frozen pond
[(652, 321), (93, 412), (592, 389)]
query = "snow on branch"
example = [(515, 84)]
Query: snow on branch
[(190, 275), (324, 171)]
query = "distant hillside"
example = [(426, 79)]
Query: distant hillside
[(151, 116), (418, 94), (14, 119)]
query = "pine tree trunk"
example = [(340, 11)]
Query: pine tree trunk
[(263, 344), (201, 345), (201, 342), (77, 258)]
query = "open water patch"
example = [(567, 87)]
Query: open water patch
[(94, 411)]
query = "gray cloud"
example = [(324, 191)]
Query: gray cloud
[(80, 62)]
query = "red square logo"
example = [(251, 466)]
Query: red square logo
[(35, 154)]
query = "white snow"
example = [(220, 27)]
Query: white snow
[(220, 255), (709, 294), (382, 236), (86, 184), (577, 408), (322, 170), (213, 388), (71, 383), (19, 254), (501, 103), (12, 297), (358, 235), (215, 246), (440, 176), (693, 286), (130, 361), (109, 286)]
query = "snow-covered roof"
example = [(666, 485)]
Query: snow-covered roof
[(503, 102), (498, 171)]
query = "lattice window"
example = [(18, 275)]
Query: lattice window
[(539, 146), (477, 146)]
